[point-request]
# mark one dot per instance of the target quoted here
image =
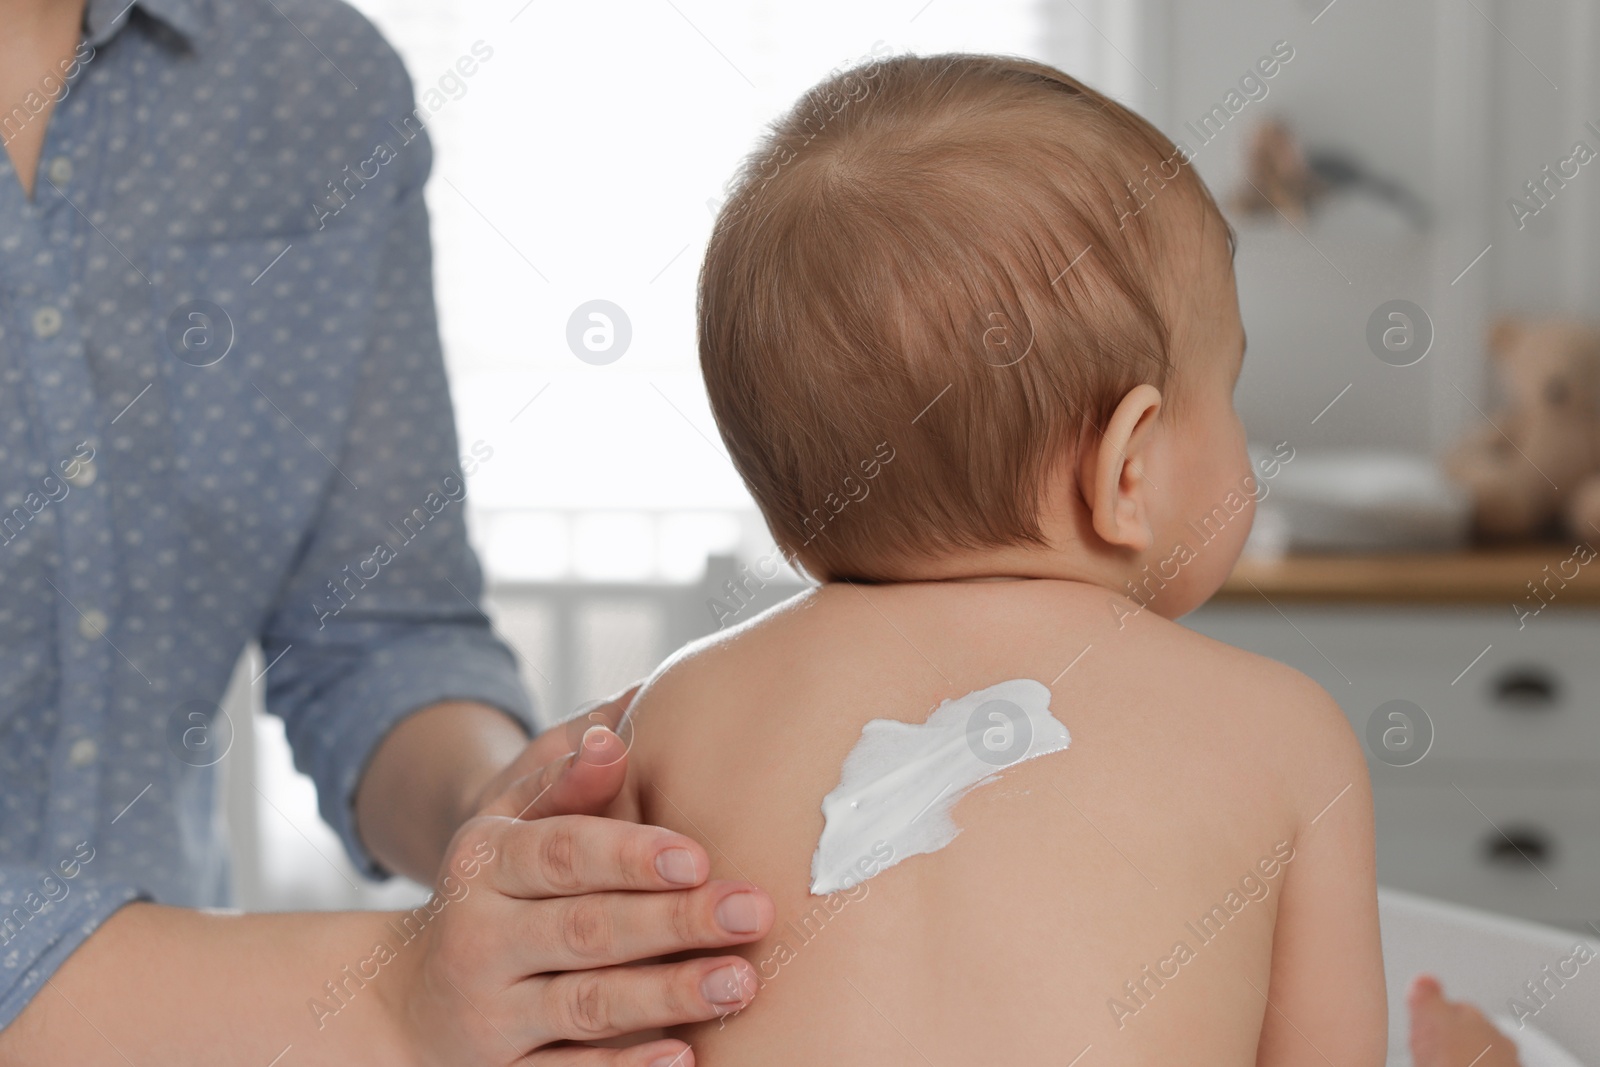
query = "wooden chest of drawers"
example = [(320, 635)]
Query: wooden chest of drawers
[(1503, 810)]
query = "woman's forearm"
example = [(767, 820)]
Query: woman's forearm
[(175, 986), (532, 939), (423, 779)]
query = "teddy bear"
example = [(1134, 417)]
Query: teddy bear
[(1276, 175), (1532, 468)]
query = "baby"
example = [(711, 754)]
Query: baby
[(970, 332)]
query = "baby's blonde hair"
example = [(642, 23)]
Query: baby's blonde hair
[(964, 260)]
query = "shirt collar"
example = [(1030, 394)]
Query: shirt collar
[(104, 19)]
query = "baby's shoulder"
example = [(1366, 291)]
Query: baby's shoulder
[(724, 669), (1275, 716), (1172, 654)]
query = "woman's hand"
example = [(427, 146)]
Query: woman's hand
[(533, 936), (543, 909)]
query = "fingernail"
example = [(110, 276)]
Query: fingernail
[(739, 914), (593, 739), (677, 865), (677, 1059), (725, 985)]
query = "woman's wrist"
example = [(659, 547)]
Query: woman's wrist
[(424, 779), (397, 942), (359, 1013)]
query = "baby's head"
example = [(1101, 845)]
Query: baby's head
[(963, 317)]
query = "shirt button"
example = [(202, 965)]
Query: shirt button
[(60, 170), (46, 322), (92, 624), (83, 752), (83, 476)]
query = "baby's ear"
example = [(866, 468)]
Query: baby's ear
[(1111, 472)]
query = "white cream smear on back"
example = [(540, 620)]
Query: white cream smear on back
[(900, 783)]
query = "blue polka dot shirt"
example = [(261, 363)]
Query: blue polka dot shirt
[(223, 418)]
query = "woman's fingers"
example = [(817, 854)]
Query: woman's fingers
[(650, 1054), (572, 855), (594, 1005), (578, 892), (583, 780), (547, 949), (605, 929)]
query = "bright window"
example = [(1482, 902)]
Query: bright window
[(584, 160)]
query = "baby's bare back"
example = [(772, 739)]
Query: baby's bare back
[(1116, 899)]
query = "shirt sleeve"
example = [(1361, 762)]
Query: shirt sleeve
[(44, 916), (380, 617)]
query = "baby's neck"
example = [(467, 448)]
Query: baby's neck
[(1128, 577), (1021, 563)]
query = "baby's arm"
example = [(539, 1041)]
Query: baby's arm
[(1326, 1000)]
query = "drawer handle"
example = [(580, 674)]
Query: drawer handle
[(1526, 689), (1518, 848)]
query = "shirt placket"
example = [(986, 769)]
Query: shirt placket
[(46, 315)]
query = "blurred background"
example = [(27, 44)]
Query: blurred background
[(1374, 178)]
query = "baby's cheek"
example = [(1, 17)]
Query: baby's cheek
[(1224, 515)]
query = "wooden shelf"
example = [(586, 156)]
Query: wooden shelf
[(1477, 576)]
